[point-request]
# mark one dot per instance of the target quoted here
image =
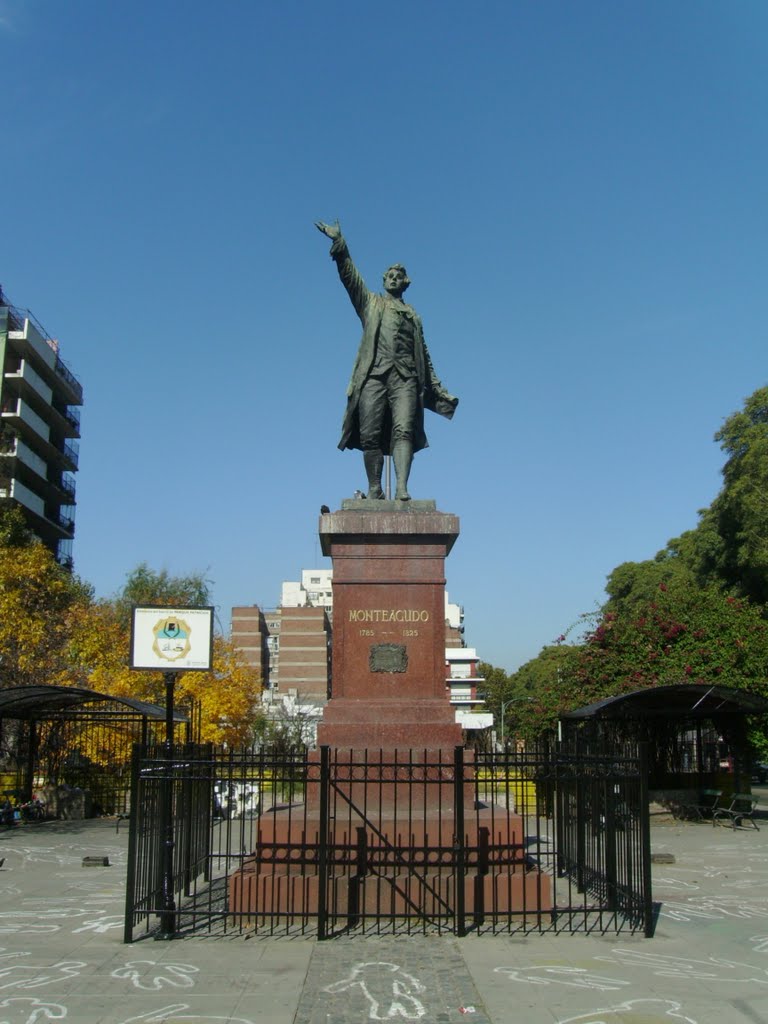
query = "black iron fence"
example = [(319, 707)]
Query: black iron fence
[(88, 749), (603, 847), (330, 841)]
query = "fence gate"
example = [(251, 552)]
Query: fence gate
[(327, 843)]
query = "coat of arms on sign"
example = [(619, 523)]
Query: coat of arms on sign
[(171, 638)]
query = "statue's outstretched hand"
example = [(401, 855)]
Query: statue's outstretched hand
[(333, 231)]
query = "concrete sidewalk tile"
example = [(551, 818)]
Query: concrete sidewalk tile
[(707, 964)]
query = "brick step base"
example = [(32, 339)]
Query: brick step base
[(488, 827), (389, 866), (422, 894)]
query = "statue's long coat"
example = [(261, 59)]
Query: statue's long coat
[(370, 308)]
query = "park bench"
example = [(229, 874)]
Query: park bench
[(703, 808), (741, 808)]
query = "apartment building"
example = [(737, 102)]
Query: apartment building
[(290, 646), (39, 429)]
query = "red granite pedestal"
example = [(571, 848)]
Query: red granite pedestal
[(392, 736), (388, 630)]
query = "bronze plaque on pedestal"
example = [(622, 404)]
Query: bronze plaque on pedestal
[(388, 658)]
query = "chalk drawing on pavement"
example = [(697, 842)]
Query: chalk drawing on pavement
[(639, 1010), (101, 924), (177, 1013), (171, 975), (23, 1010), (561, 974), (713, 908), (666, 966), (389, 991), (28, 928), (20, 976)]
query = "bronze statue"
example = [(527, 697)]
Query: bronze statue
[(393, 380)]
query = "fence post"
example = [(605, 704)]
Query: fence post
[(133, 833), (645, 842), (556, 801), (168, 912), (458, 839), (322, 857), (356, 880), (29, 783), (187, 800), (609, 831), (206, 837)]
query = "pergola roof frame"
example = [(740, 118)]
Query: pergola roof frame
[(681, 700), (33, 702)]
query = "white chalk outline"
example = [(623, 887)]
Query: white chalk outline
[(37, 1008), (399, 991), (598, 1016), (68, 969), (134, 971), (163, 1016), (562, 974)]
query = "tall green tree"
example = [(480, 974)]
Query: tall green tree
[(696, 612), (534, 693), (496, 686), (728, 548), (741, 508), (684, 634), (146, 586)]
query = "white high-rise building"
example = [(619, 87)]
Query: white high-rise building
[(314, 590), (39, 428)]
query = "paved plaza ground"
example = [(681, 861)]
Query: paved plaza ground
[(62, 956)]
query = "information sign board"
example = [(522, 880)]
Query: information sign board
[(172, 639)]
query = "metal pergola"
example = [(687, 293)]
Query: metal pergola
[(84, 712), (683, 724)]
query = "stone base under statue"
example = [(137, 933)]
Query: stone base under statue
[(405, 725), (388, 869), (400, 834)]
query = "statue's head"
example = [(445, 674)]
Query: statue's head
[(396, 279)]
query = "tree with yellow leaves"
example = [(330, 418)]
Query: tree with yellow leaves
[(38, 599), (53, 632), (224, 702)]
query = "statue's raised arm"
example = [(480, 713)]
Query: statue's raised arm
[(393, 379), (333, 231), (349, 275)]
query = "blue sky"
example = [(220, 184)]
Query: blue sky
[(578, 191)]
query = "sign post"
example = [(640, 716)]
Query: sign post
[(170, 640)]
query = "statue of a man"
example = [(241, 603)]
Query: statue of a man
[(393, 380)]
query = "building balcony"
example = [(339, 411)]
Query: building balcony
[(66, 522), (32, 341), (19, 463), (473, 720), (37, 452), (29, 384), (19, 414), (67, 486), (65, 422), (71, 453), (75, 396), (24, 496), (24, 454)]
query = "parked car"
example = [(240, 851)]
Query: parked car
[(760, 772), (236, 799)]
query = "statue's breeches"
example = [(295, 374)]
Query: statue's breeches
[(383, 401)]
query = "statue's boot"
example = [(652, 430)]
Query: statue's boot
[(374, 464), (402, 456)]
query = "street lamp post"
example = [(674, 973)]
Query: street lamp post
[(504, 705)]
